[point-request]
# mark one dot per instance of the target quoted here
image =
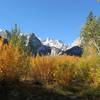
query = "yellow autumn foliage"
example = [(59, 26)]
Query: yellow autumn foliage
[(70, 72), (12, 62)]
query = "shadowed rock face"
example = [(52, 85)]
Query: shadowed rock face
[(74, 51), (33, 43), (5, 41), (44, 50), (36, 47)]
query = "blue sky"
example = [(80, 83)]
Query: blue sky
[(59, 19)]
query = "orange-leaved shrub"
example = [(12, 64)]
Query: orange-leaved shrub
[(74, 74), (12, 62), (43, 69), (66, 69), (53, 69), (87, 79)]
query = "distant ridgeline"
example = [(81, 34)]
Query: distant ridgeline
[(44, 47)]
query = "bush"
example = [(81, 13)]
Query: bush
[(43, 69), (78, 75), (12, 63)]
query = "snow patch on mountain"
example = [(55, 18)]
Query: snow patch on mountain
[(53, 43)]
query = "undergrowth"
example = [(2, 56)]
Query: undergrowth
[(80, 76)]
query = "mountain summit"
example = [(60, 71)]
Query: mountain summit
[(53, 43), (48, 46)]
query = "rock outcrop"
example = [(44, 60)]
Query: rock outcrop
[(56, 51), (44, 50), (74, 51), (33, 43)]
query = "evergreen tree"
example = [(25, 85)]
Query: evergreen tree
[(22, 44), (90, 33), (15, 36), (17, 40)]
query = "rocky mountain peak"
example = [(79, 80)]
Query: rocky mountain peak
[(53, 43)]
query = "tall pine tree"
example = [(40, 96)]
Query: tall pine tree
[(90, 33)]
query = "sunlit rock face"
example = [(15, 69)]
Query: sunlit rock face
[(56, 51), (53, 43), (57, 46)]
